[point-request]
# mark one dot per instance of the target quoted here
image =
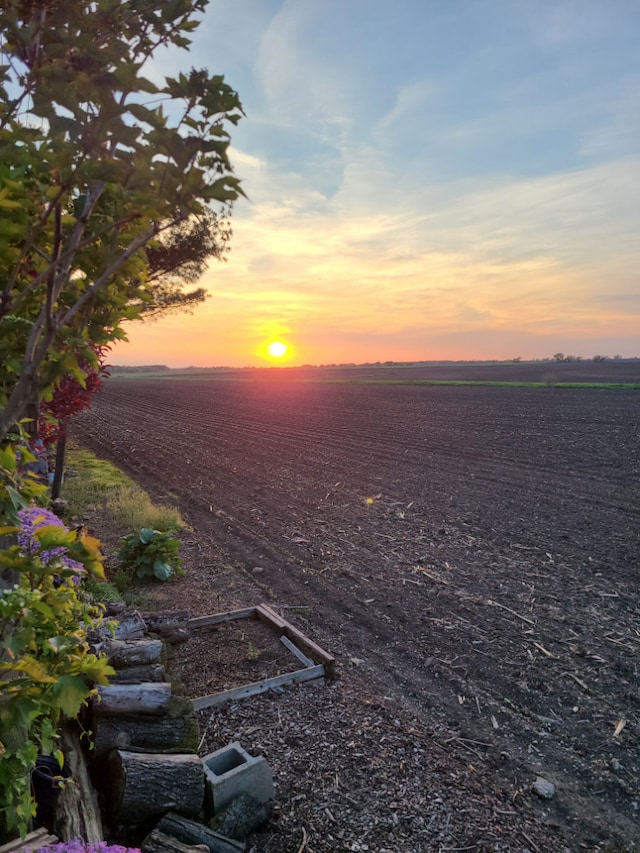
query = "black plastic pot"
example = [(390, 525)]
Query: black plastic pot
[(47, 781)]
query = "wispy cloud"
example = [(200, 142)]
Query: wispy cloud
[(422, 175)]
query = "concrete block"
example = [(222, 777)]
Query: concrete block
[(231, 771)]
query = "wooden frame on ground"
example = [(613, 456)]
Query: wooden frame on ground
[(317, 662)]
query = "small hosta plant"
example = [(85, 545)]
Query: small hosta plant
[(150, 554)]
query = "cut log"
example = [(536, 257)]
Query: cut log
[(190, 832), (159, 620), (77, 811), (136, 674), (147, 698), (143, 786), (127, 625), (158, 842), (174, 635), (132, 653), (146, 734), (130, 626)]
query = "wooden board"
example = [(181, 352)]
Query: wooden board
[(313, 650), (257, 687), (218, 618), (318, 663), (32, 841)]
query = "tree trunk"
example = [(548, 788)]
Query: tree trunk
[(77, 815), (143, 786), (140, 732), (60, 453)]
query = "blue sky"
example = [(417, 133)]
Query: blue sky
[(426, 179)]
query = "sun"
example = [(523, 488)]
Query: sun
[(277, 349)]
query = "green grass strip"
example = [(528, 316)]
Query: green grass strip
[(95, 485)]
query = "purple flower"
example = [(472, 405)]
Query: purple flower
[(33, 519)]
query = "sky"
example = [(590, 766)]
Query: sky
[(426, 180)]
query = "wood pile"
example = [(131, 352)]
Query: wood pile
[(144, 763), (149, 781)]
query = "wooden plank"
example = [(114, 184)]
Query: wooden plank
[(217, 618), (33, 841), (293, 648), (257, 687), (263, 611), (265, 614)]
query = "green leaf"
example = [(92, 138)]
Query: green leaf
[(18, 500), (71, 693), (147, 534), (8, 459), (162, 570)]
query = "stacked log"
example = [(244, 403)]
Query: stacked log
[(145, 738), (138, 710)]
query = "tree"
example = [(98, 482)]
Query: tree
[(96, 162), (180, 259)]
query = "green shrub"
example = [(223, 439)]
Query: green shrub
[(150, 554), (47, 670)]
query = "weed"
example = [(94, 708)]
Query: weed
[(253, 653), (102, 592)]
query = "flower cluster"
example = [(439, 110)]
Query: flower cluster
[(33, 519), (79, 846)]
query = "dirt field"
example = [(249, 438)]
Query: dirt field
[(469, 554)]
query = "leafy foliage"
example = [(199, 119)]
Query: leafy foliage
[(150, 554), (46, 668), (96, 161), (179, 259), (71, 396), (18, 488)]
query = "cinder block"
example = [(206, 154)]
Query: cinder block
[(231, 771)]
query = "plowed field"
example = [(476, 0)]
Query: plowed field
[(469, 553)]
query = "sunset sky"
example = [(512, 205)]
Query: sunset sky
[(427, 179)]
